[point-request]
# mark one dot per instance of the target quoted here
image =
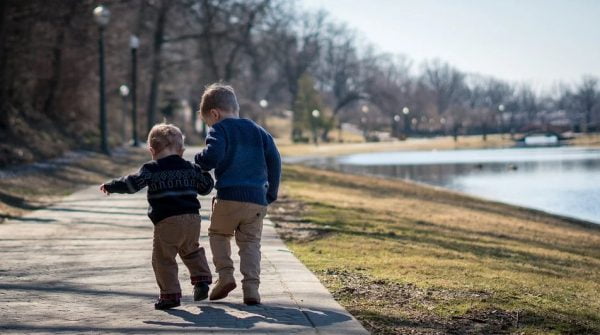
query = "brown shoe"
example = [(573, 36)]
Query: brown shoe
[(222, 289), (251, 296)]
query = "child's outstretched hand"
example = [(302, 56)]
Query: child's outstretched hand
[(103, 189)]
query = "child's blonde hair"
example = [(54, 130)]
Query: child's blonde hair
[(163, 136)]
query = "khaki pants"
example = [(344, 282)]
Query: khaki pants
[(178, 235), (243, 220)]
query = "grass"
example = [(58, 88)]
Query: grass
[(404, 257), (592, 140), (30, 187), (437, 143)]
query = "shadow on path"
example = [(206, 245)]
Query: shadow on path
[(248, 316)]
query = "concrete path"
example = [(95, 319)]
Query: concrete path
[(83, 266)]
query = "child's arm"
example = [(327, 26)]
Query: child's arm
[(204, 180), (214, 151), (127, 184), (273, 160)]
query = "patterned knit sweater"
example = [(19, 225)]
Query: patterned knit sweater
[(173, 185)]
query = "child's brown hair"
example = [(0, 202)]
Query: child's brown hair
[(219, 96), (163, 136)]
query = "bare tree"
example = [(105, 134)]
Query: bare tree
[(445, 81), (158, 41), (446, 84), (296, 48), (390, 88), (586, 99), (3, 88), (528, 105), (338, 71)]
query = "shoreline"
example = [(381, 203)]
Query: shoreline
[(312, 161), (416, 144), (571, 219)]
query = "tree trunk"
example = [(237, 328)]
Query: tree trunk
[(484, 131), (207, 48), (588, 119), (3, 88), (56, 67), (156, 62)]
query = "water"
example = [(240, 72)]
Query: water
[(560, 180)]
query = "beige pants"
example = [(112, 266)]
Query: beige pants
[(243, 220), (178, 235)]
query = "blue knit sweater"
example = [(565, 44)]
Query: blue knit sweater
[(246, 161)]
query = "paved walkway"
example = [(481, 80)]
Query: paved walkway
[(83, 265)]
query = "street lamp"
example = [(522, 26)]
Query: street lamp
[(315, 115), (365, 109), (102, 17), (501, 119), (406, 111), (264, 104), (134, 44), (124, 92), (395, 129)]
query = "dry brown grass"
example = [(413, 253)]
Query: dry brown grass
[(438, 143), (592, 140)]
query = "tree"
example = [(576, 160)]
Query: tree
[(296, 48), (390, 88), (338, 71), (527, 105), (587, 99), (446, 84), (308, 100), (445, 81), (499, 93), (157, 45)]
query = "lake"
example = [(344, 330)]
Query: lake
[(560, 180)]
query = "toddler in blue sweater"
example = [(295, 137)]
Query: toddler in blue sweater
[(247, 171)]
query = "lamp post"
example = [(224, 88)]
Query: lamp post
[(315, 117), (363, 120), (264, 104), (134, 44), (102, 17), (124, 92), (395, 129), (501, 112), (406, 111)]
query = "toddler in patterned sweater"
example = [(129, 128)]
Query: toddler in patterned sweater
[(173, 185)]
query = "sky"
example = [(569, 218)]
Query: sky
[(539, 42)]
